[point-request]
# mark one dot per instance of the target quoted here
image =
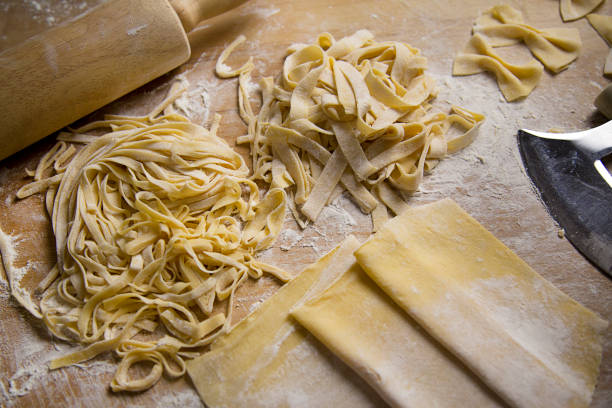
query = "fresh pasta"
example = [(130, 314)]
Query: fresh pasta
[(603, 25), (514, 81), (156, 225), (555, 48), (354, 113), (574, 9), (503, 25)]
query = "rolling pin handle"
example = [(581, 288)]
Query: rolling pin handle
[(191, 12)]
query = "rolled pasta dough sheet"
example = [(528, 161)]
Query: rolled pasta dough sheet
[(386, 347), (531, 343), (268, 360)]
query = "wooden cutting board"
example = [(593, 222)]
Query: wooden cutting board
[(487, 178)]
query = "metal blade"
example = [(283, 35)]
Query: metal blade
[(577, 197)]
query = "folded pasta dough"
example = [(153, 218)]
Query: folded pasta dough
[(603, 25), (369, 332), (575, 9), (532, 344), (515, 81), (503, 25), (268, 360)]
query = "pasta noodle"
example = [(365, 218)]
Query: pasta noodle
[(353, 112), (438, 264), (603, 25), (503, 25), (575, 9), (514, 81), (155, 225), (556, 48)]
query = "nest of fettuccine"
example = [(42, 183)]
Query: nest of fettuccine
[(155, 224)]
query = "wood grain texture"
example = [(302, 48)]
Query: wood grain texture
[(487, 179), (193, 12)]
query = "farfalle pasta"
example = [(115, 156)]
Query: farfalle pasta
[(502, 26)]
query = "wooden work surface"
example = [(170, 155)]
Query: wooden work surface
[(487, 179)]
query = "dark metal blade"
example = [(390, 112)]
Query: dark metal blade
[(576, 195)]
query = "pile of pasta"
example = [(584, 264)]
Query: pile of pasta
[(351, 114), (156, 226)]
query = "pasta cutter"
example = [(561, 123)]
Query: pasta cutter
[(572, 174)]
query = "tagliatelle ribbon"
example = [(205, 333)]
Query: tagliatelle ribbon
[(353, 112), (155, 224)]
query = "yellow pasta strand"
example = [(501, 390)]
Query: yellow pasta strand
[(353, 112), (155, 223)]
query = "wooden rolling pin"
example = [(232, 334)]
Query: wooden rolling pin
[(61, 75)]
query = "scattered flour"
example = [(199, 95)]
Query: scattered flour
[(32, 361), (289, 238), (255, 305), (97, 367), (24, 379), (53, 11), (135, 30), (194, 103), (8, 248), (337, 213), (194, 66), (252, 87), (182, 399), (267, 12)]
